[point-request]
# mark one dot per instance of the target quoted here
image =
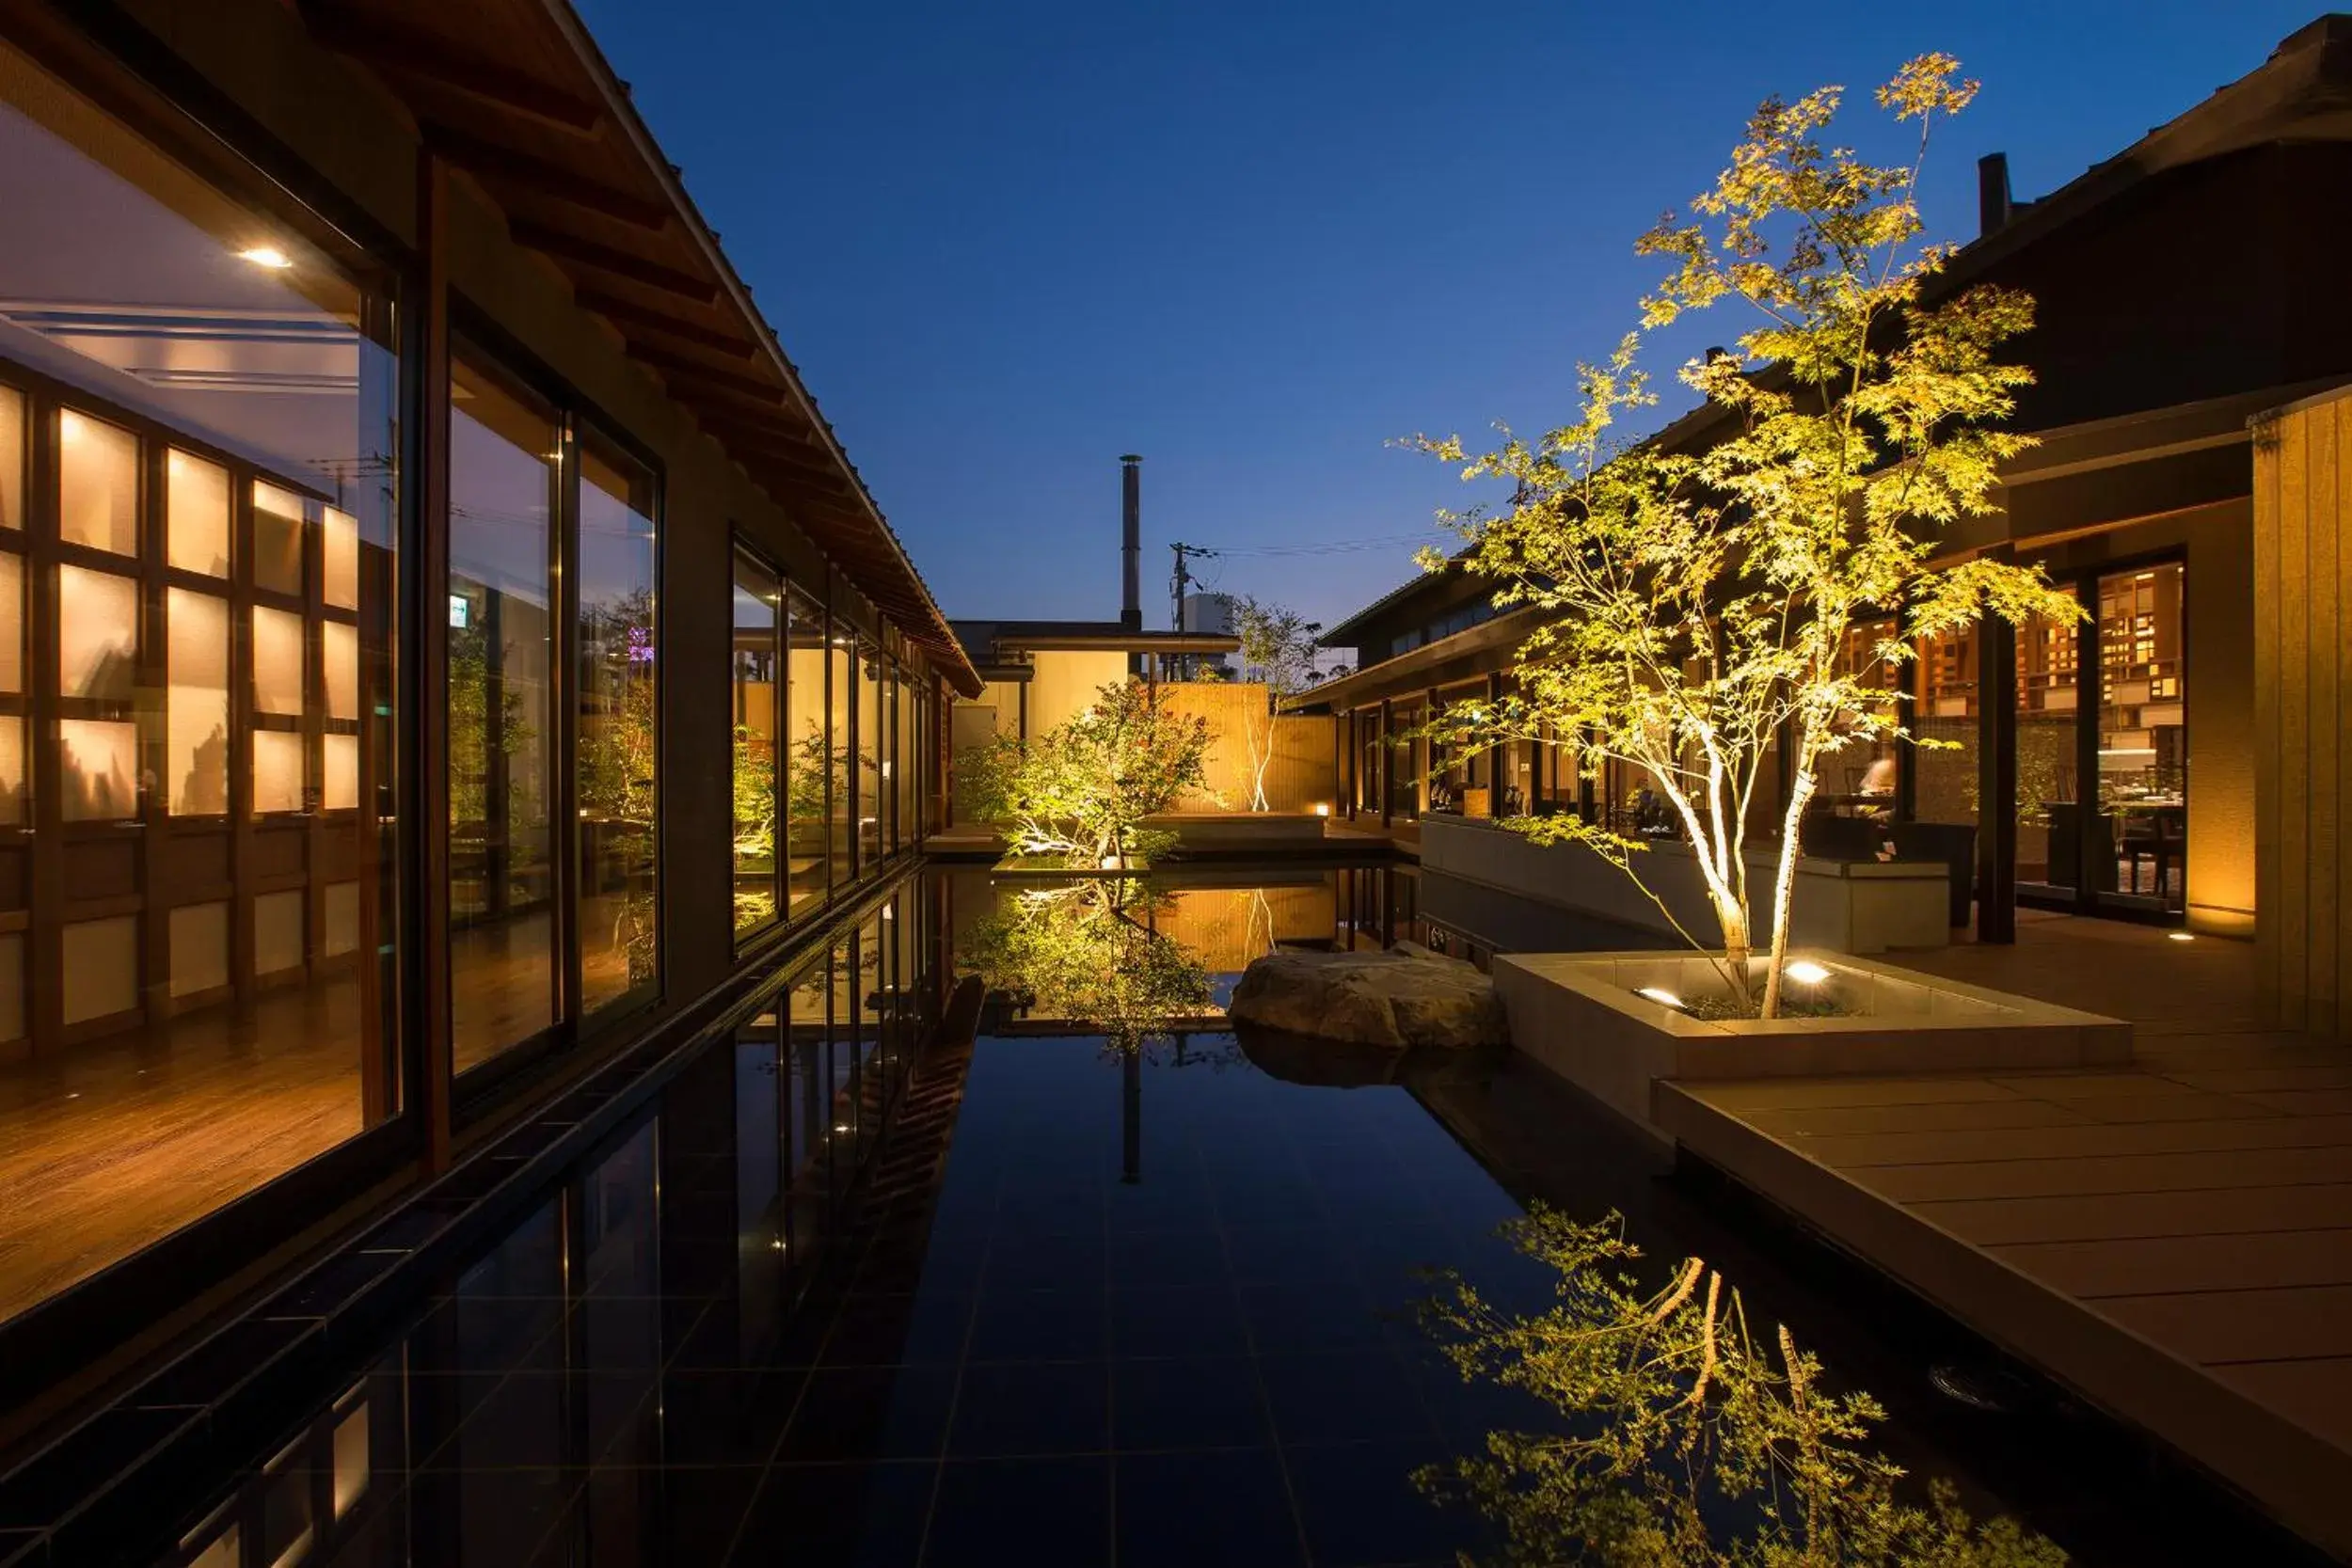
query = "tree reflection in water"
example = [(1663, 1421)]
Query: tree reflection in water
[(1685, 1441), (1085, 952)]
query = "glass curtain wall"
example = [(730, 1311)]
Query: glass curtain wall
[(872, 742), (907, 783), (1944, 709), (554, 718), (1406, 757), (505, 486), (838, 727), (757, 724), (199, 577), (617, 769), (808, 832), (2048, 712)]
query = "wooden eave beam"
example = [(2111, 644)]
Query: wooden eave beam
[(681, 365), (800, 473), (410, 52), (625, 314), (620, 264), (491, 160)]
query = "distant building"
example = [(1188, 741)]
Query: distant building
[(1211, 614)]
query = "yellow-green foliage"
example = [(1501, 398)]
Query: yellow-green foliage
[(1083, 789), (1686, 1441), (1696, 596), (1086, 952)]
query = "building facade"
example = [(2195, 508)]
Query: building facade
[(2109, 769), (441, 642)]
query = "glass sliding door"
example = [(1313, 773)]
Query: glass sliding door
[(808, 831), (505, 503), (757, 725), (1943, 711), (909, 762), (617, 732), (2049, 715), (198, 584), (2141, 836), (872, 734), (841, 779)]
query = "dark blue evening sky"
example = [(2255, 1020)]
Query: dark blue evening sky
[(1007, 241)]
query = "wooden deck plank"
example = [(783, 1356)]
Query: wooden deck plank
[(2302, 1102), (1783, 1094), (2095, 1086), (2091, 1175), (2316, 1395), (2176, 1265), (1932, 1115), (2070, 1217), (2271, 1079), (2215, 1327), (1919, 1146), (2171, 1108)]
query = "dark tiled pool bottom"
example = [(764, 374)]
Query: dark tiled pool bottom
[(1144, 1317)]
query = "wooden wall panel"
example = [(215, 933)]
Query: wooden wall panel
[(2302, 674), (1302, 773)]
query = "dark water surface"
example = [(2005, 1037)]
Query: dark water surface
[(833, 1299)]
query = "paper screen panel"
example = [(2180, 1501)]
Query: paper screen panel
[(97, 484), (196, 514)]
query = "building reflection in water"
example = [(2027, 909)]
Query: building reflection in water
[(567, 1387)]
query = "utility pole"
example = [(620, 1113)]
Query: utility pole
[(1176, 597)]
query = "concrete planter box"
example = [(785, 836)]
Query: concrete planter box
[(1846, 906), (1579, 1015)]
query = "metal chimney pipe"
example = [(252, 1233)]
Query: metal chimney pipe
[(1131, 542), (1994, 205)]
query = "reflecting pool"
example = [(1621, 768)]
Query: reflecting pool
[(885, 1276)]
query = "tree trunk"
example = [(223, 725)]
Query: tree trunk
[(1738, 949), (1259, 759), (1785, 885)]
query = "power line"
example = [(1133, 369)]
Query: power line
[(1336, 547)]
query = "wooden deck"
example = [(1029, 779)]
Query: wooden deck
[(2172, 1239)]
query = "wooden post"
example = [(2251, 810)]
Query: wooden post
[(1996, 781), (426, 770), (2095, 858), (1494, 750), (1387, 764)]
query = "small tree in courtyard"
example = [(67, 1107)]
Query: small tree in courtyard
[(1697, 604), (1083, 789), (1278, 649)]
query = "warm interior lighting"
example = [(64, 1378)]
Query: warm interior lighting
[(1661, 995), (2180, 936), (266, 256), (1806, 973), (841, 1127), (1322, 808)]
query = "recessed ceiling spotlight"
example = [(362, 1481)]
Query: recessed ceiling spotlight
[(266, 256)]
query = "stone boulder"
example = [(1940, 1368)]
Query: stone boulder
[(1404, 998)]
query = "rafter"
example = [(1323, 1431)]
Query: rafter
[(620, 264), (428, 56), (679, 365), (625, 314), (492, 160)]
